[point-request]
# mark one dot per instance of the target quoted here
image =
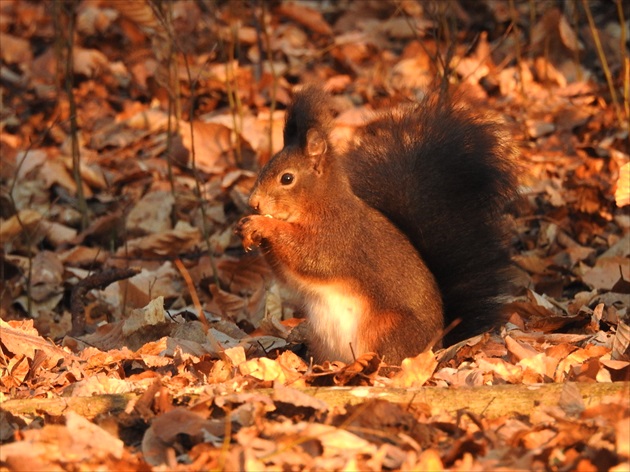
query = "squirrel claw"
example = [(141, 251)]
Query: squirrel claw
[(250, 235)]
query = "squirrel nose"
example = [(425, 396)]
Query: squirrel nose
[(254, 201)]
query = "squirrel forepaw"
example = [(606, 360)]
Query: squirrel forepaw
[(248, 231)]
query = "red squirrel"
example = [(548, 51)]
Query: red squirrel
[(390, 241)]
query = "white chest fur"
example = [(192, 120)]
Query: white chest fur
[(334, 314)]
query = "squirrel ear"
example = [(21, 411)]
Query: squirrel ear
[(316, 148), (315, 143)]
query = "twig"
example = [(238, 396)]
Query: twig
[(603, 60)]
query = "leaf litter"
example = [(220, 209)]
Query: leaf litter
[(145, 384)]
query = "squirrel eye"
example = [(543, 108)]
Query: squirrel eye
[(287, 178)]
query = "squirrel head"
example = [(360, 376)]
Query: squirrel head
[(297, 179)]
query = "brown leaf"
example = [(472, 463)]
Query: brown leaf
[(622, 429), (213, 146), (47, 276), (622, 194), (90, 440), (20, 338), (15, 50), (607, 272), (519, 350), (297, 398), (415, 371), (233, 306), (502, 370), (89, 62), (92, 19), (152, 214), (306, 16), (621, 342), (24, 221), (140, 12), (171, 243), (269, 370), (571, 400), (166, 429)]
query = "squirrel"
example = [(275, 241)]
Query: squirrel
[(393, 240)]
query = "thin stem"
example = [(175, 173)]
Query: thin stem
[(603, 60), (274, 86), (74, 127)]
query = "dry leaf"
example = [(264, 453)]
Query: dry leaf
[(152, 214), (622, 194), (183, 238), (24, 221), (15, 50), (89, 62), (415, 371), (167, 428), (306, 16)]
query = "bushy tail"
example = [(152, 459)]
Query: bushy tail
[(445, 178)]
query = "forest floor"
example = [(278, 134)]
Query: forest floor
[(136, 334)]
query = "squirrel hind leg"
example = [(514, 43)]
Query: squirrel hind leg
[(395, 336)]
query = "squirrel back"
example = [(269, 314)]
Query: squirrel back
[(393, 239)]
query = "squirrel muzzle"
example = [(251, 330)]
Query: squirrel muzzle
[(267, 207), (254, 202)]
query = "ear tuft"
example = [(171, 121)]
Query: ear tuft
[(309, 109)]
